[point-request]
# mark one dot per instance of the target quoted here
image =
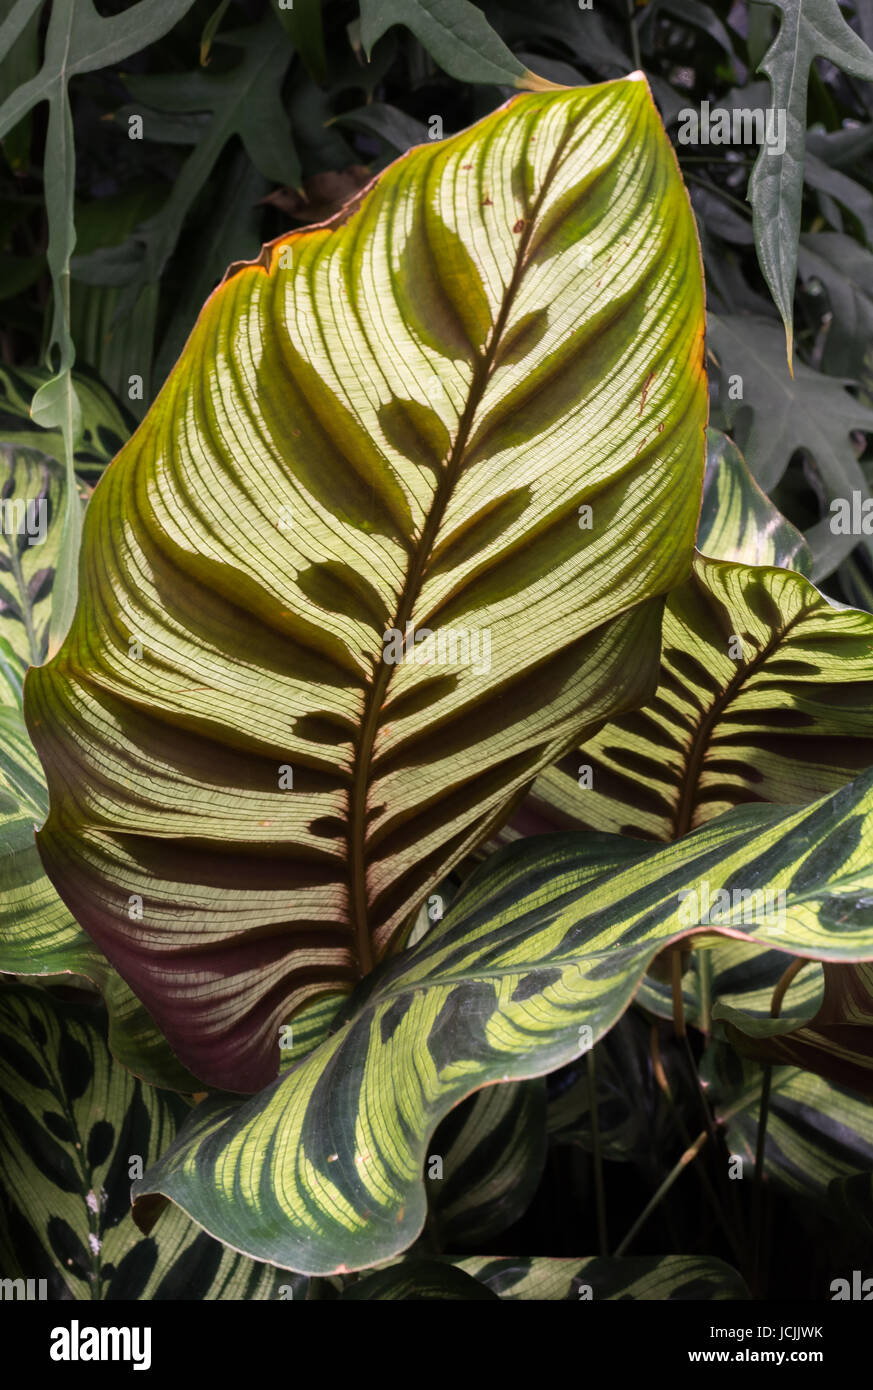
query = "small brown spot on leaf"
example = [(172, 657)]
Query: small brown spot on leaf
[(646, 384), (486, 201), (519, 226)]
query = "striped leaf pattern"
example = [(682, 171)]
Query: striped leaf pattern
[(470, 405), (492, 1151), (639, 1279), (76, 1127), (32, 492), (765, 694), (737, 519), (817, 1132), (38, 936), (540, 954), (740, 976), (836, 1042)]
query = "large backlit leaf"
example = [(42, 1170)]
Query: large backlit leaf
[(539, 955), (75, 1128), (397, 418), (765, 694)]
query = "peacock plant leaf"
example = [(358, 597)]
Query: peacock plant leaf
[(38, 937), (737, 519), (765, 694), (835, 1043), (539, 955), (601, 1278), (817, 1132), (469, 406), (76, 1126), (32, 505)]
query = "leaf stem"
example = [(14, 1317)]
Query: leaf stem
[(687, 1157)]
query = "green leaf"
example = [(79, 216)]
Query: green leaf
[(304, 25), (78, 40), (836, 1043), (391, 437), (457, 36), (399, 130), (75, 1126), (737, 519), (540, 954), (816, 1132), (492, 1151), (809, 411), (419, 1280), (739, 976), (640, 1278), (246, 102), (32, 509), (808, 29), (106, 424), (765, 694), (845, 269)]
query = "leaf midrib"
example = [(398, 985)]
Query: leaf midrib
[(374, 702), (703, 733)]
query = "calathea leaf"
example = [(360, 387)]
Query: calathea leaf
[(808, 29), (106, 424), (485, 1162), (765, 694), (32, 507), (817, 1132), (741, 976), (412, 410), (835, 1043), (75, 1128), (595, 1279), (539, 955), (737, 519)]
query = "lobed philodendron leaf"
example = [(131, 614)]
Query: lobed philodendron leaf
[(75, 1128), (393, 536), (765, 694), (539, 955), (808, 29)]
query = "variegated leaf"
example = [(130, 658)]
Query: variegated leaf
[(540, 954), (765, 694), (76, 1127), (471, 405)]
